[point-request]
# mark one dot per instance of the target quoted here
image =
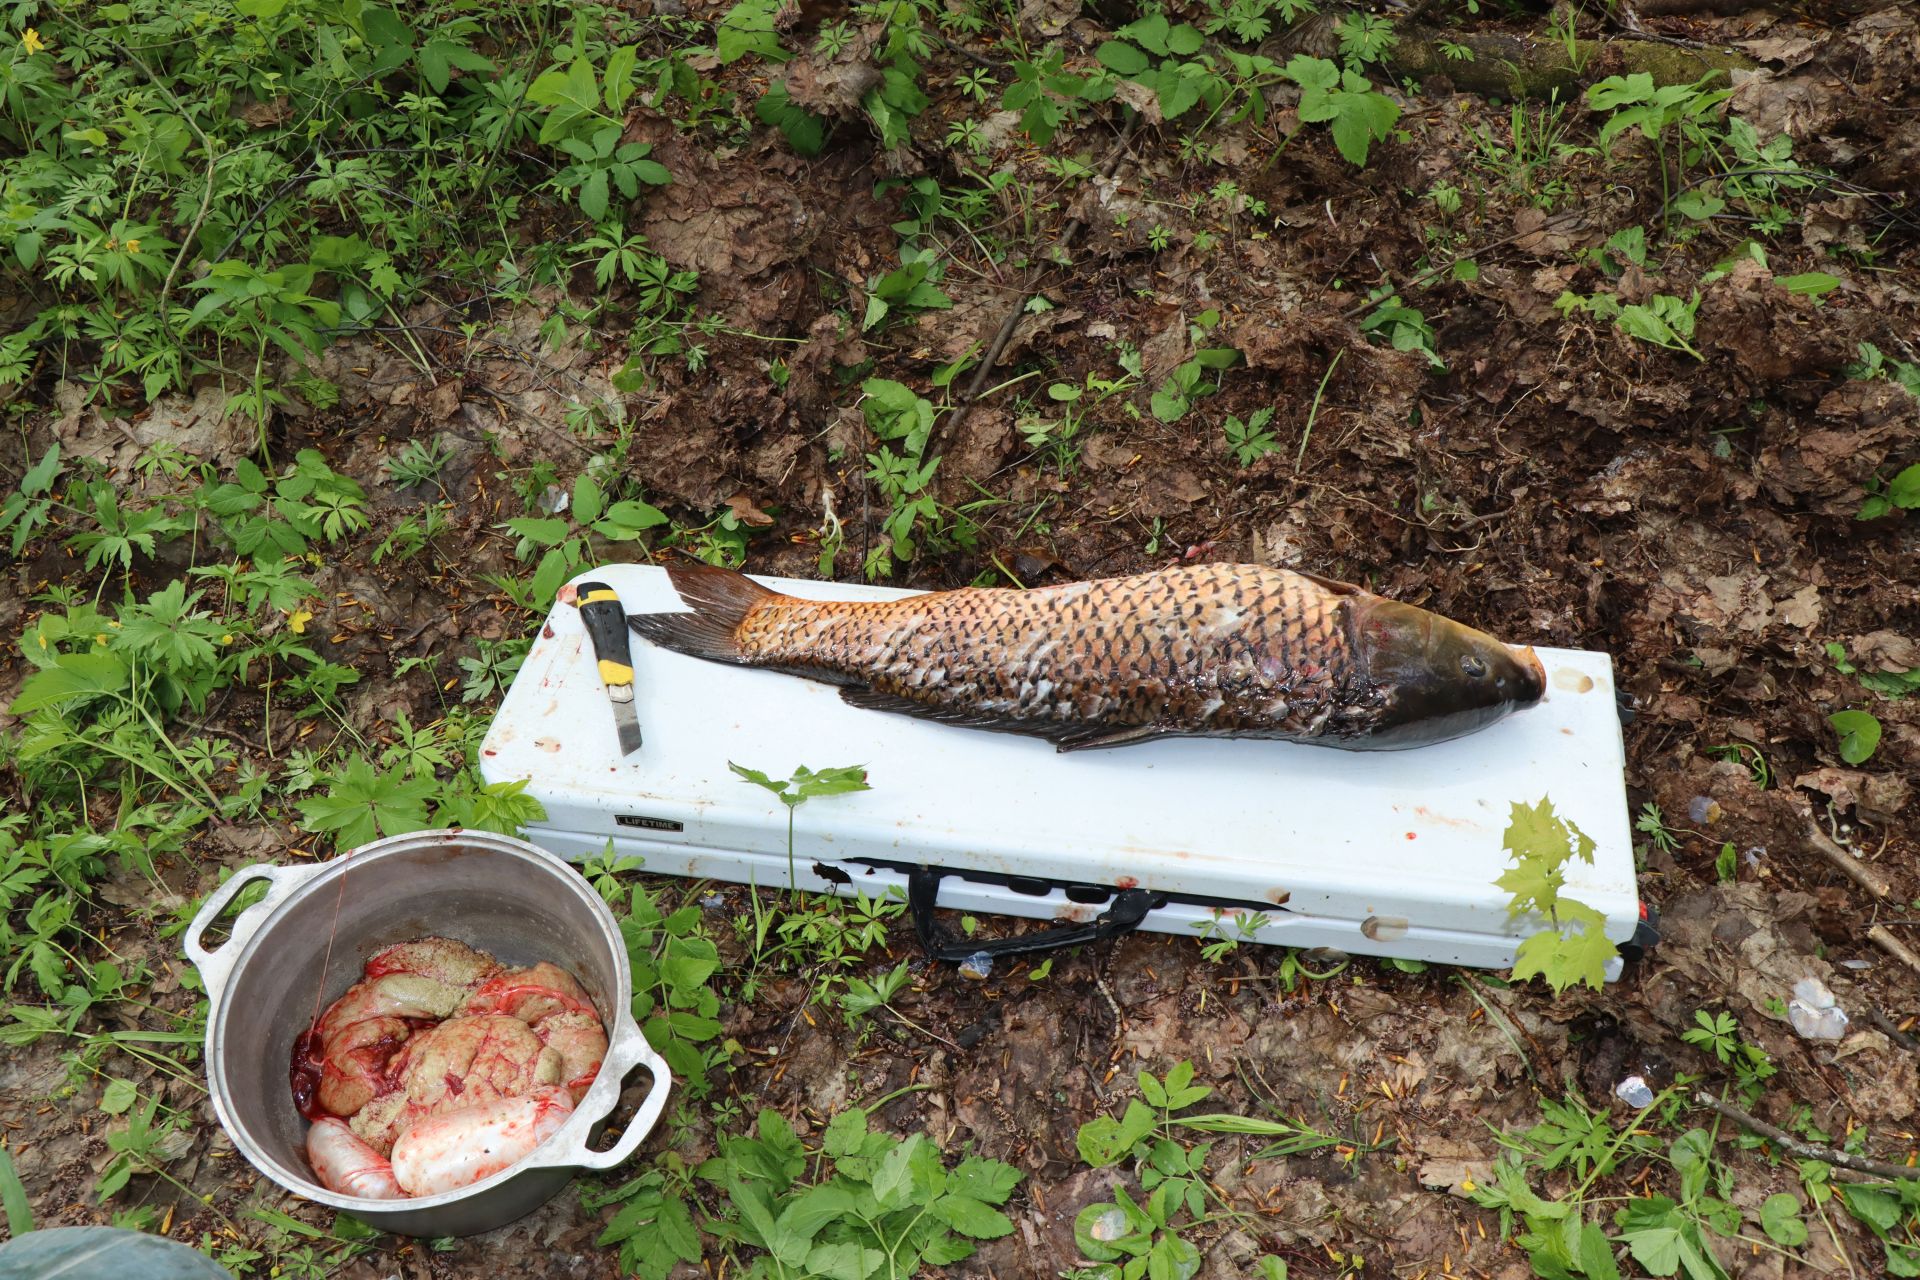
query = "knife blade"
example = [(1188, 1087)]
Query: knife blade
[(606, 623)]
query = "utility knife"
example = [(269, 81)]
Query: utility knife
[(607, 625)]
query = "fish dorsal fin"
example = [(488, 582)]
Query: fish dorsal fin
[(1334, 585)]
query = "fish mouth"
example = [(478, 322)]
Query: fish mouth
[(1530, 664)]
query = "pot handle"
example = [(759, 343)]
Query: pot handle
[(215, 966), (628, 1050)]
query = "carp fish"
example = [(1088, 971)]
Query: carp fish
[(1214, 650)]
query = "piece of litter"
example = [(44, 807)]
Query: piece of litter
[(1814, 1013), (1634, 1091), (1856, 964), (1704, 809), (977, 966), (712, 901)]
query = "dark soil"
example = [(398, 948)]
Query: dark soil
[(1559, 483)]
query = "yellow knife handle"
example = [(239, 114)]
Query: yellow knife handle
[(607, 624)]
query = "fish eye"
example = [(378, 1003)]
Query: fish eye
[(1473, 666)]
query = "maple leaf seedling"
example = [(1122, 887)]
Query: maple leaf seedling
[(1574, 947), (803, 786)]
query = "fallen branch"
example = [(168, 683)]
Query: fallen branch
[(1804, 1150), (1893, 1031), (1868, 878), (1064, 241), (1510, 66), (1883, 937)]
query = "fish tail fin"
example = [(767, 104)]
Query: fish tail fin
[(720, 599)]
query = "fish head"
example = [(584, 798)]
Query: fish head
[(1441, 679)]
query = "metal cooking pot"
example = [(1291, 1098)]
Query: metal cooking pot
[(499, 894)]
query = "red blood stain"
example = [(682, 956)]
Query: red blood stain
[(304, 1074)]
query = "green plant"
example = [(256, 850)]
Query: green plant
[(1652, 822), (1058, 439), (1174, 63), (1859, 735), (1216, 943), (1130, 1238), (1405, 327), (492, 668), (1719, 1035), (1572, 946), (1887, 684), (1345, 101), (1874, 363), (877, 1207), (1250, 441), (1664, 321), (1675, 115), (26, 510), (805, 784), (565, 544)]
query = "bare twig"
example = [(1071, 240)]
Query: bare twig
[(1893, 1031), (1867, 877), (1065, 240), (1803, 1150), (1445, 267), (1884, 939)]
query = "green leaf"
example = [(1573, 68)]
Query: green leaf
[(844, 1261), (1812, 284), (1904, 490), (1565, 956), (1656, 1248), (892, 1178), (987, 1180), (619, 80), (846, 1134), (588, 500), (1780, 1219), (118, 1096), (75, 675), (1859, 735), (1150, 31), (971, 1217), (626, 519), (13, 1195), (805, 1214), (1121, 57), (572, 95)]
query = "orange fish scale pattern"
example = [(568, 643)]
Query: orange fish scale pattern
[(1214, 648)]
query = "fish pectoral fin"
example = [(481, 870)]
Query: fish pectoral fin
[(1334, 585), (871, 699), (1102, 737)]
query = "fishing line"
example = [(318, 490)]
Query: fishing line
[(326, 959)]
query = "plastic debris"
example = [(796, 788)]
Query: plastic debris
[(1814, 1013), (977, 966), (1704, 809), (712, 901), (1856, 965), (1634, 1091)]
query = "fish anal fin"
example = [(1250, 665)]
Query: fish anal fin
[(1123, 737), (1061, 735)]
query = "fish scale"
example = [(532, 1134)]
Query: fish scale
[(1197, 649), (1201, 650)]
